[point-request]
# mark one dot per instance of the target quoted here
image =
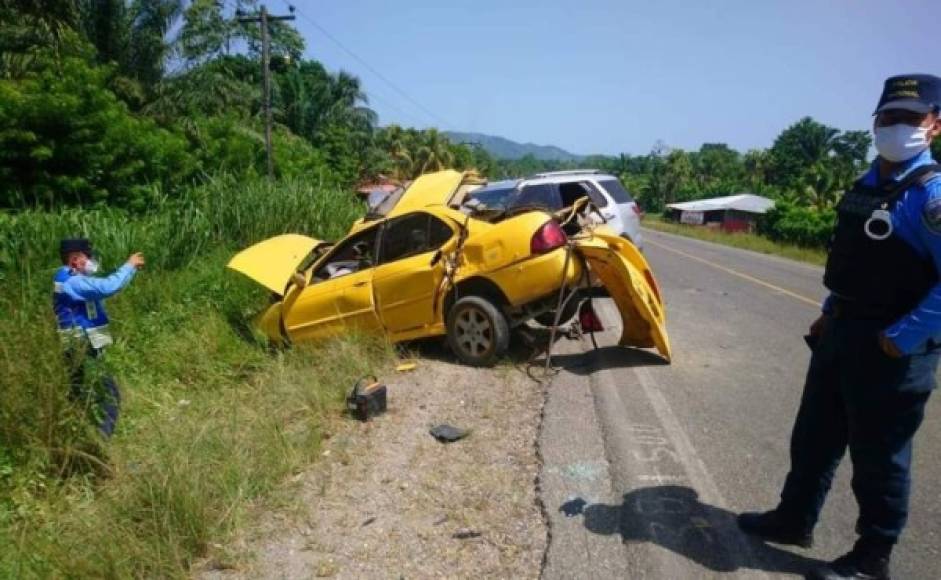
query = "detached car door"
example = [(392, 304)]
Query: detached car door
[(410, 272), (339, 295)]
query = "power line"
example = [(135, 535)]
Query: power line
[(374, 95), (373, 70)]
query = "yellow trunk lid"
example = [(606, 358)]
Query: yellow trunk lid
[(274, 261), (626, 275)]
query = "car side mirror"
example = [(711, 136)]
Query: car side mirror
[(436, 258)]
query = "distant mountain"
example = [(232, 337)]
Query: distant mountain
[(503, 148)]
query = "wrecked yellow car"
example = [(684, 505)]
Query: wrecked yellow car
[(422, 264)]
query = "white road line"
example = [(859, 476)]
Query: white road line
[(695, 468), (742, 275), (713, 246)]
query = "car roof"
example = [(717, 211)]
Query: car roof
[(565, 177), (498, 185)]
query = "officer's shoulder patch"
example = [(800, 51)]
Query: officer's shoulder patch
[(931, 215)]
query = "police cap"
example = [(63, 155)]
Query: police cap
[(70, 245), (920, 93)]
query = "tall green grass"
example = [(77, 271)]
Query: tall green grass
[(212, 420), (221, 212)]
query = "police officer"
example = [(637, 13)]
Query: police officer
[(876, 345), (83, 323)]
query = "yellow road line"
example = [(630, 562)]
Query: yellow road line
[(804, 299)]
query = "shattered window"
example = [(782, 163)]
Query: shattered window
[(438, 233), (404, 237), (351, 255), (412, 235)]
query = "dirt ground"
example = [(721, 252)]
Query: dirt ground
[(389, 501)]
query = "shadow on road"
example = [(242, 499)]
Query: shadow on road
[(525, 345), (672, 517), (606, 357)]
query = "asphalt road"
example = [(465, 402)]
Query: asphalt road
[(682, 448)]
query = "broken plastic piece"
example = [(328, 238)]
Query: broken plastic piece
[(405, 367), (447, 433)]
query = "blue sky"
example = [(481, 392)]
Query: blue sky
[(601, 76)]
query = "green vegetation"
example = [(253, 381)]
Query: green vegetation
[(138, 124), (806, 169), (212, 420), (745, 241)]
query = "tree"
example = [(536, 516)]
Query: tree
[(226, 86), (206, 31), (434, 152), (149, 49), (755, 165), (810, 154), (398, 145), (286, 41), (106, 24), (66, 139), (718, 170)]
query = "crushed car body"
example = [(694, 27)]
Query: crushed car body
[(422, 264)]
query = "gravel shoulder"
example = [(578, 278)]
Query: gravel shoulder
[(389, 501)]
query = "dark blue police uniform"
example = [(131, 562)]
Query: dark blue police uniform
[(882, 271), (856, 396)]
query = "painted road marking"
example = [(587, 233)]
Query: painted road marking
[(752, 279), (662, 454)]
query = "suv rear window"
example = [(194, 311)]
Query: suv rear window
[(616, 190), (543, 195)]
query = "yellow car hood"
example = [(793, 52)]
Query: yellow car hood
[(429, 189), (628, 278), (272, 262)]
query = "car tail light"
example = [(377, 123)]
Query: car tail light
[(588, 320), (547, 238)]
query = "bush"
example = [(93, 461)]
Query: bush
[(802, 226), (66, 139), (225, 145)]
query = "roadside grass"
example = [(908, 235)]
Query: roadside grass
[(744, 241), (213, 421)]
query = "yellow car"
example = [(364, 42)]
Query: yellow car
[(423, 265)]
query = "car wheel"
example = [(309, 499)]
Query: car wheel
[(478, 332), (568, 313)]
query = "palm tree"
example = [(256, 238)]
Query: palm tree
[(756, 163), (398, 144), (434, 152)]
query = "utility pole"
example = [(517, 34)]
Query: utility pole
[(264, 18)]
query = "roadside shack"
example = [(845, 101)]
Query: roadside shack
[(733, 213)]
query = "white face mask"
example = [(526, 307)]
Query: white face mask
[(897, 143), (90, 268)]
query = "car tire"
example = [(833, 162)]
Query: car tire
[(568, 313), (478, 332)]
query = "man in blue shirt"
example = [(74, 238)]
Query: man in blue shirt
[(876, 344), (83, 323)]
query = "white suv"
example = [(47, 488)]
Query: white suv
[(560, 189)]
